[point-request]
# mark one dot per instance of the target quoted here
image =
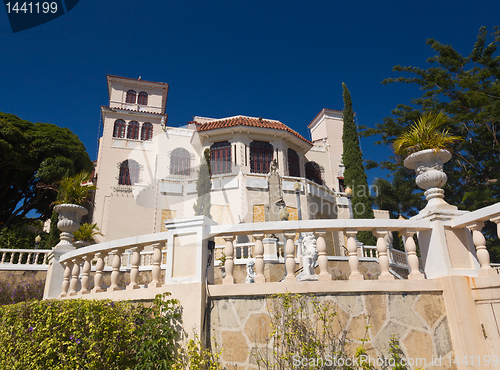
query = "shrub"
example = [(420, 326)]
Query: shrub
[(24, 291)]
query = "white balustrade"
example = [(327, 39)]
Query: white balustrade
[(229, 252)]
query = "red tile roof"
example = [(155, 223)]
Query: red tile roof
[(246, 121), (136, 79)]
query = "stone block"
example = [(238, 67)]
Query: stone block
[(418, 346), (376, 307), (401, 309), (430, 307), (442, 338), (244, 306), (235, 347), (258, 328)]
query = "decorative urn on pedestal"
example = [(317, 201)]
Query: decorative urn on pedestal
[(70, 216)]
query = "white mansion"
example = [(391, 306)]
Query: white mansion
[(147, 171)]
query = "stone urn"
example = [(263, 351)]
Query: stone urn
[(68, 222), (428, 165)]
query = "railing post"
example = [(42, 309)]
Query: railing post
[(66, 277), (85, 274), (99, 268), (156, 269), (116, 255), (290, 257), (352, 249), (411, 253), (134, 271), (75, 274), (322, 258), (229, 252), (20, 258), (482, 253), (383, 260), (259, 258)]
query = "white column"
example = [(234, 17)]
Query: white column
[(482, 253), (411, 253), (116, 257), (352, 249), (156, 270), (99, 268), (322, 258), (383, 260), (290, 257), (259, 258), (85, 274), (66, 277), (135, 262), (229, 252), (75, 273)]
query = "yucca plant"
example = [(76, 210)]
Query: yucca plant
[(424, 134), (74, 190), (87, 232)]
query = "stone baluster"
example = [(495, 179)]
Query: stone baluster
[(352, 249), (99, 268), (75, 276), (20, 258), (229, 252), (66, 277), (11, 261), (411, 253), (383, 259), (259, 258), (156, 269), (45, 258), (290, 257), (482, 253), (135, 262), (3, 257), (28, 260), (116, 262), (85, 274), (322, 258)]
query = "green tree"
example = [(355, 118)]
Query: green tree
[(203, 187), (34, 156), (467, 89), (354, 173)]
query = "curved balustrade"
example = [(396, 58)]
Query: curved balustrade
[(24, 259), (165, 254)]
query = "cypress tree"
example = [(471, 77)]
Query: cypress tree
[(203, 187), (354, 173)]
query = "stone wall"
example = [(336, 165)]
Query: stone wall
[(418, 319), (18, 277)]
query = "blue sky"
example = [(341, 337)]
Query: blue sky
[(283, 60)]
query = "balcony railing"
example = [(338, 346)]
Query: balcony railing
[(24, 259)]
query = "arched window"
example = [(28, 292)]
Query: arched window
[(313, 172), (143, 98), (180, 161), (147, 131), (131, 96), (220, 157), (261, 155), (293, 163), (119, 129), (129, 172), (133, 130)]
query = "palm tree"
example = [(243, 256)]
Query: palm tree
[(75, 189), (425, 134), (87, 232)]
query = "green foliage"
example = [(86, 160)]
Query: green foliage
[(33, 157), (203, 187), (22, 235), (467, 89), (425, 134), (194, 356), (157, 332), (75, 189), (86, 232), (354, 173)]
